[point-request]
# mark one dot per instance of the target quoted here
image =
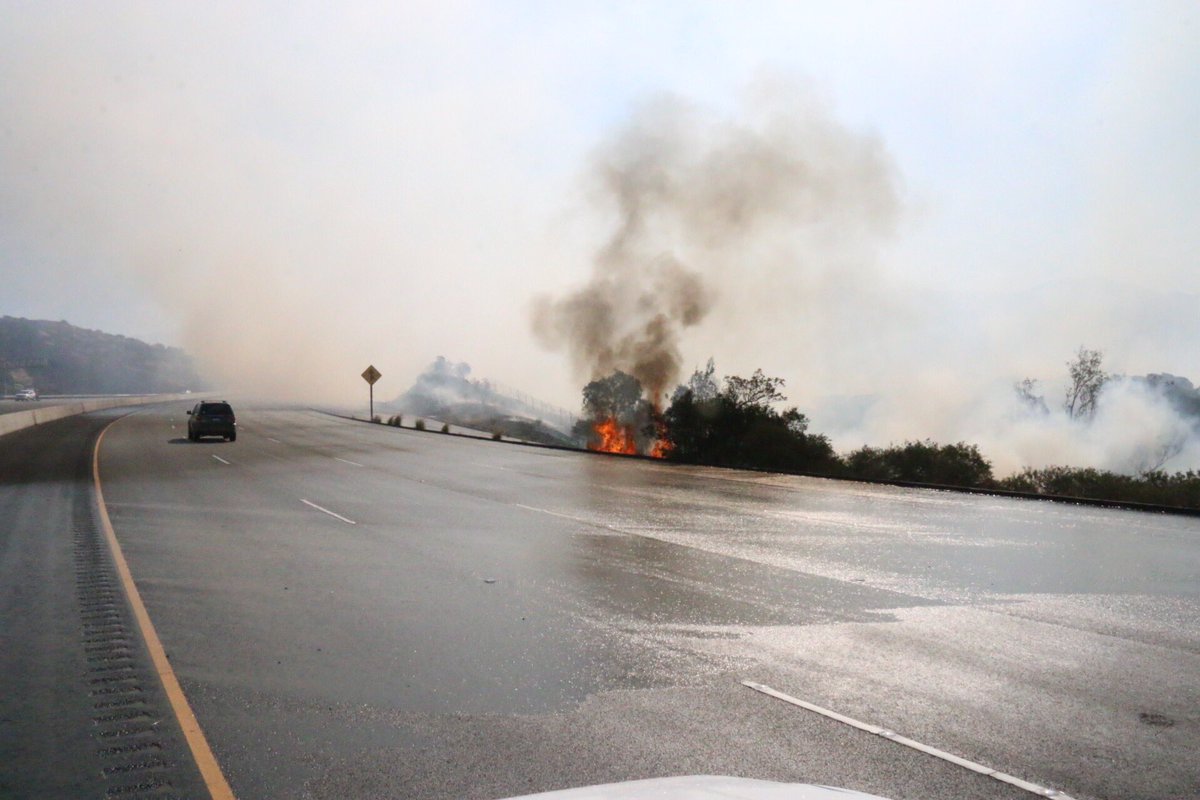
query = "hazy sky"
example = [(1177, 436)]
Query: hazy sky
[(293, 192)]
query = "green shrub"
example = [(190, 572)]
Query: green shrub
[(1180, 489), (737, 429), (445, 427), (419, 424), (958, 464)]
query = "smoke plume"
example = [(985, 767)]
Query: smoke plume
[(703, 204), (1136, 428)]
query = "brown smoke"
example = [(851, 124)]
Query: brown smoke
[(703, 204), (628, 318)]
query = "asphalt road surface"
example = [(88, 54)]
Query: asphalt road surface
[(360, 611)]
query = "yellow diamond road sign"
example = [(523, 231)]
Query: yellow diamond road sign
[(370, 375)]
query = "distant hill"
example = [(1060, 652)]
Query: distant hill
[(59, 358)]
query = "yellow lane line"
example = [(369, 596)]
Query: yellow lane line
[(210, 770)]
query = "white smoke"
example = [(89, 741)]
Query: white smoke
[(1135, 428)]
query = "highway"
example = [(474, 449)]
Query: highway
[(360, 611)]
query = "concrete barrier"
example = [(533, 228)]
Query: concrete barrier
[(19, 420)]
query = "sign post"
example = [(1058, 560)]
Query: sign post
[(370, 375)]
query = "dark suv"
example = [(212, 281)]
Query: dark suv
[(212, 419)]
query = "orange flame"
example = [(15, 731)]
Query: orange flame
[(613, 437), (610, 436), (661, 449)]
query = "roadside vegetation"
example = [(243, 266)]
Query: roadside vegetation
[(1180, 489), (737, 426), (958, 464), (737, 422)]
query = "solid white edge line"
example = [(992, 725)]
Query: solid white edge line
[(327, 511), (223, 461), (912, 743), (942, 754), (767, 690), (346, 461)]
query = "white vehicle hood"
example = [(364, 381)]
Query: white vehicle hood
[(702, 787)]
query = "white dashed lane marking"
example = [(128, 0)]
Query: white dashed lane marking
[(327, 511)]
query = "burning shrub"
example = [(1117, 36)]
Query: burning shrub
[(619, 420), (619, 396), (735, 427)]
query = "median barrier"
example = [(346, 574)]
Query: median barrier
[(19, 420)]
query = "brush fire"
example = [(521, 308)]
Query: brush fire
[(621, 420), (609, 435)]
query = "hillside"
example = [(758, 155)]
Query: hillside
[(59, 358), (445, 391)]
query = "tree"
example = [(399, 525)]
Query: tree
[(738, 428), (702, 384), (614, 397), (1087, 380), (1027, 393), (1163, 450), (757, 390)]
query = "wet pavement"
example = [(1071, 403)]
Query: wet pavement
[(361, 611)]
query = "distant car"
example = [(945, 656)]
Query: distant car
[(26, 394), (210, 418)]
